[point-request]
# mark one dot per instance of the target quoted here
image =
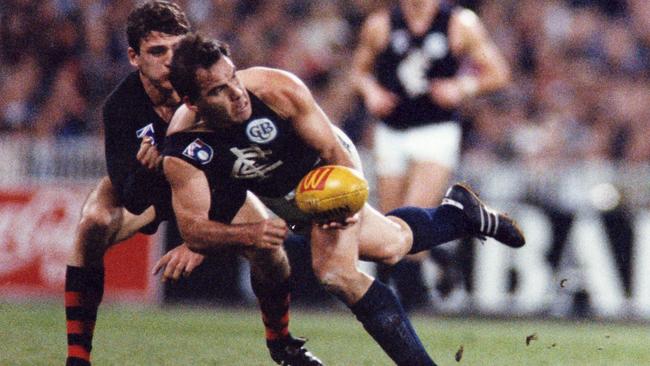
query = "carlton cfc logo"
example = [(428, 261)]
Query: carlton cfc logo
[(261, 130)]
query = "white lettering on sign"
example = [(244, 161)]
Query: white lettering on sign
[(41, 229)]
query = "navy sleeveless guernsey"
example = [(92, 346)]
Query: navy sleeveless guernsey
[(409, 62)]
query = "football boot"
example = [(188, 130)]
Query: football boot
[(484, 221), (291, 351)]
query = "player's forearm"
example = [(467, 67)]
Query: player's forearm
[(205, 236), (336, 155), (493, 73), (363, 82), (485, 82)]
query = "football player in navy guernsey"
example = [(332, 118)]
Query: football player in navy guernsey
[(260, 130), (136, 197), (407, 67)]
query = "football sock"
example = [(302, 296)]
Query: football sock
[(274, 304), (432, 226), (84, 288), (384, 319), (409, 283)]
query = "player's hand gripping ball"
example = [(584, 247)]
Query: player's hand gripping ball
[(331, 193)]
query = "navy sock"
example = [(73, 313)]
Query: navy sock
[(385, 320), (432, 226)]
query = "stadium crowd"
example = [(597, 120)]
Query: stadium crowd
[(579, 90)]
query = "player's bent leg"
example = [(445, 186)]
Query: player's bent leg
[(427, 182), (270, 272), (484, 221), (383, 239), (101, 221), (390, 191), (84, 283), (131, 224), (335, 257), (426, 185)]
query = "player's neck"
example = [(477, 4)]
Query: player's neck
[(419, 20), (164, 100)]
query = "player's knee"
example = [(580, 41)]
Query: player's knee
[(334, 280), (98, 222), (394, 252)]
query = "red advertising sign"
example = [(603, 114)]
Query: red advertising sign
[(37, 228)]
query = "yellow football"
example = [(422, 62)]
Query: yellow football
[(331, 193)]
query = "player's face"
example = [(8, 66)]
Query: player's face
[(417, 5), (223, 98), (155, 57)]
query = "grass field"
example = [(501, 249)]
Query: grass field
[(33, 334)]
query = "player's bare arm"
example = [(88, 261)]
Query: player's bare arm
[(148, 154), (184, 119), (373, 39), (470, 40), (180, 261), (191, 201), (288, 96)]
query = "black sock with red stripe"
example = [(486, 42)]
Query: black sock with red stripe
[(84, 288), (274, 304)]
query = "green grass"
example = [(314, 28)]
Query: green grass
[(34, 334)]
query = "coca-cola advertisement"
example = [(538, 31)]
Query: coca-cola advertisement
[(37, 227)]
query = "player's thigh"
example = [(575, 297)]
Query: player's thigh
[(427, 182), (253, 210), (335, 249), (335, 258), (101, 214), (390, 192), (132, 223), (267, 261), (383, 239)]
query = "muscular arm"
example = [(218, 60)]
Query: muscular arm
[(470, 39), (183, 119), (191, 201), (373, 39), (291, 99)]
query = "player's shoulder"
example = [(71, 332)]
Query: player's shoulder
[(127, 92), (379, 17), (464, 17), (194, 147), (376, 28), (279, 89), (268, 80)]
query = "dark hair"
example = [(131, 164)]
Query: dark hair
[(191, 53), (155, 16)]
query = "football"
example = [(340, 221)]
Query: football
[(331, 193)]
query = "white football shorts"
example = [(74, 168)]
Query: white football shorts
[(395, 149)]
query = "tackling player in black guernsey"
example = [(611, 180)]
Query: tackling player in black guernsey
[(260, 130), (136, 197)]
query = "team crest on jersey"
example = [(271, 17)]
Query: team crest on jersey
[(199, 151), (146, 131), (261, 130)]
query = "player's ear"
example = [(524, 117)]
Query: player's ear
[(133, 57)]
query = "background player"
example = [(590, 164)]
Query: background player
[(415, 64), (135, 196), (260, 129)]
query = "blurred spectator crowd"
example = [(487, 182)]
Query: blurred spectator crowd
[(580, 88)]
